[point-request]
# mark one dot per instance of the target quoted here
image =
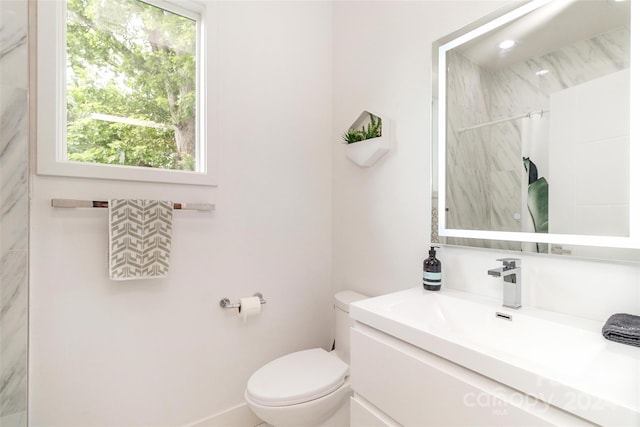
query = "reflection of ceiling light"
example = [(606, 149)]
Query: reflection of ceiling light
[(507, 44), (542, 72)]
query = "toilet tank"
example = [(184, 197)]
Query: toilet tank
[(343, 322)]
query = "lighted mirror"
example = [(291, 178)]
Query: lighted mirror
[(532, 131)]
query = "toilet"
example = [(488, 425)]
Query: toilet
[(308, 388)]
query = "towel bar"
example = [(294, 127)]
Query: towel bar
[(72, 203), (226, 302)]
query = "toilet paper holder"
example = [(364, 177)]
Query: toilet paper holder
[(226, 302)]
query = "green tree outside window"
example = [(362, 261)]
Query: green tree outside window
[(131, 85)]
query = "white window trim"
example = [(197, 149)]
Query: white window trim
[(51, 102)]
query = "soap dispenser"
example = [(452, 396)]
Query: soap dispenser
[(432, 272)]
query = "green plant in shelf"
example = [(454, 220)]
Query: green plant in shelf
[(373, 130)]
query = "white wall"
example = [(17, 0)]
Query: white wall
[(604, 128), (381, 218), (162, 352)]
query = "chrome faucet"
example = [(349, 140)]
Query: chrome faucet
[(511, 287)]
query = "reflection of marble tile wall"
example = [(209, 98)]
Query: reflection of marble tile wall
[(480, 200), (13, 212), (473, 157), (467, 194)]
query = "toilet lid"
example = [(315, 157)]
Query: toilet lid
[(296, 378)]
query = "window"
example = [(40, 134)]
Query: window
[(122, 90)]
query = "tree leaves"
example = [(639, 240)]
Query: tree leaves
[(128, 59)]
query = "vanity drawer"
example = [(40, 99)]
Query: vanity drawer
[(363, 414), (417, 388)]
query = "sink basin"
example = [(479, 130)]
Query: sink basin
[(486, 326), (559, 359)]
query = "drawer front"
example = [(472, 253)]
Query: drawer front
[(417, 388), (364, 414)]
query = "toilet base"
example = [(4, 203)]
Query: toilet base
[(340, 418), (328, 411)]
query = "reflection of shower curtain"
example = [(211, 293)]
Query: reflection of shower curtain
[(534, 139), (538, 202)]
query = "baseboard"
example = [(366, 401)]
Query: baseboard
[(238, 416)]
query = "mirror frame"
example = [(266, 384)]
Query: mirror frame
[(438, 116)]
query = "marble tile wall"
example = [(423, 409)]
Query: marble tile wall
[(467, 198), (484, 166), (14, 211)]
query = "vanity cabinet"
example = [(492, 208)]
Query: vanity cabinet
[(398, 384)]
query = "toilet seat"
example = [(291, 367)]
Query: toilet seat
[(297, 378)]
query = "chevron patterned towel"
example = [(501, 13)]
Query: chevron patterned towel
[(139, 238)]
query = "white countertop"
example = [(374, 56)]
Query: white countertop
[(559, 359)]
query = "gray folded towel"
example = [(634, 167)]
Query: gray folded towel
[(623, 328)]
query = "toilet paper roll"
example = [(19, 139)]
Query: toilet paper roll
[(249, 306)]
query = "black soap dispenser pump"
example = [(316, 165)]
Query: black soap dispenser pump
[(432, 272)]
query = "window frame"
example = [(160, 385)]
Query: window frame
[(51, 107)]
